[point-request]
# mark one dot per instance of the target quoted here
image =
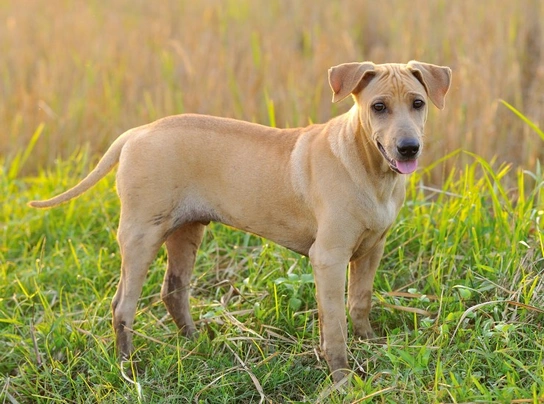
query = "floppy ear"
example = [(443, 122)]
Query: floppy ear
[(347, 78), (435, 79)]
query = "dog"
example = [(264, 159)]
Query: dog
[(328, 191)]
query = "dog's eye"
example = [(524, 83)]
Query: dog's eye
[(418, 104), (378, 107)]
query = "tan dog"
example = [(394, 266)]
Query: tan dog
[(329, 191)]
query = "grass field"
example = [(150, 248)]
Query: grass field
[(459, 296), (458, 303)]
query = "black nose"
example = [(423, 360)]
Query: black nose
[(408, 147)]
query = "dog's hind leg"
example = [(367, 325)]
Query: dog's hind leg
[(182, 246), (139, 245)]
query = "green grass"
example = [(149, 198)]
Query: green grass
[(458, 302)]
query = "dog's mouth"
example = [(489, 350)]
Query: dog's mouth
[(398, 166)]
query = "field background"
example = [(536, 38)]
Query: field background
[(90, 71), (459, 298)]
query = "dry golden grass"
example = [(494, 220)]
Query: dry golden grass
[(91, 69)]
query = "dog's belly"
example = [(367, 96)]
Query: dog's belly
[(287, 232), (282, 221)]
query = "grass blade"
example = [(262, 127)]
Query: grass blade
[(21, 157), (531, 124)]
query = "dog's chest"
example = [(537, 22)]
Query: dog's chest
[(376, 219), (379, 206), (383, 216)]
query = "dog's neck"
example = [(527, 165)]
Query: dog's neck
[(352, 143)]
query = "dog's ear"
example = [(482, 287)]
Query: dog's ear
[(435, 79), (349, 78)]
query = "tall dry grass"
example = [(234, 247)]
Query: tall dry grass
[(91, 69)]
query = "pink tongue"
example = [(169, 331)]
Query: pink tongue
[(407, 167)]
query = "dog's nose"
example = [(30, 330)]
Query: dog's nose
[(408, 147)]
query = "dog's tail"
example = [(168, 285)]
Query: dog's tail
[(104, 166)]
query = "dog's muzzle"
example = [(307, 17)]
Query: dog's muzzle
[(407, 154)]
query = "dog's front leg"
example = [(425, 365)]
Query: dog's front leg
[(329, 265), (361, 278)]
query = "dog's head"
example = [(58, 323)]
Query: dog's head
[(392, 102)]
